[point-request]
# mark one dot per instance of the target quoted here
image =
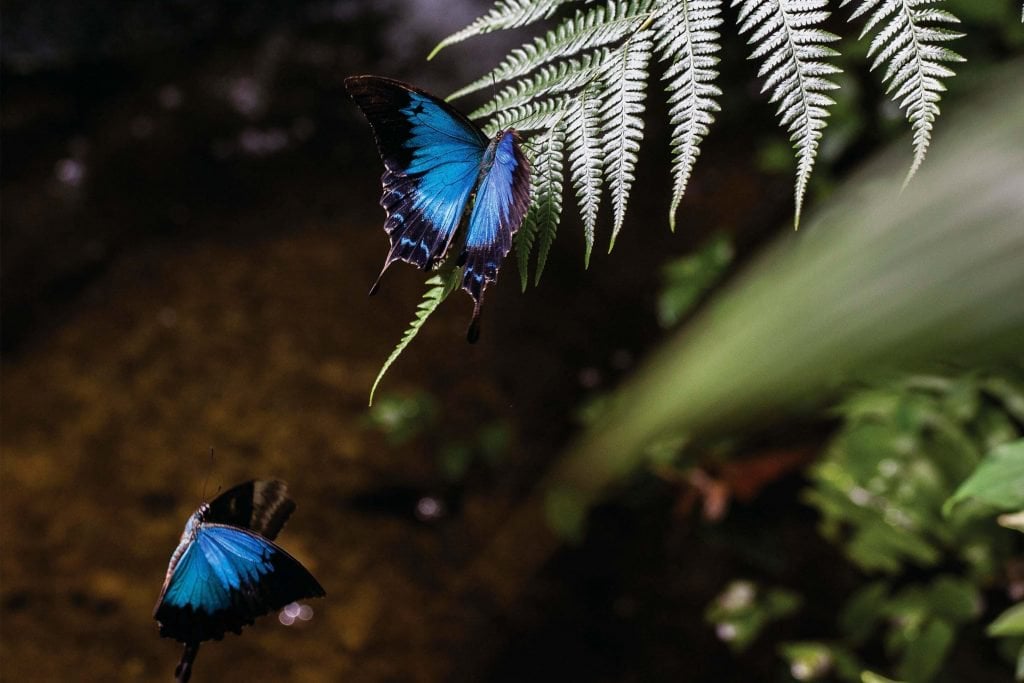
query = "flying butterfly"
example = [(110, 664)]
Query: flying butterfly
[(227, 570), (434, 159)]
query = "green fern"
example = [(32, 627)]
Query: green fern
[(590, 73), (907, 40), (576, 94), (440, 286)]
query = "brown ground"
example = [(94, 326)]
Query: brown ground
[(262, 353)]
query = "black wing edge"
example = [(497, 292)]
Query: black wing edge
[(287, 582), (380, 99), (482, 265), (262, 506)]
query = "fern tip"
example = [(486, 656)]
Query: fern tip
[(437, 48)]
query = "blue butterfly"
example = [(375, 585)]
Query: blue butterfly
[(226, 570), (434, 158)]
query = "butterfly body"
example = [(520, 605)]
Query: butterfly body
[(434, 160), (227, 570)]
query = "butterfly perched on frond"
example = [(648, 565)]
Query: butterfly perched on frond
[(434, 160), (227, 570)]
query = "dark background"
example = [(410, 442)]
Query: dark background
[(190, 226)]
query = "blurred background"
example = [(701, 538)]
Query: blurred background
[(189, 229)]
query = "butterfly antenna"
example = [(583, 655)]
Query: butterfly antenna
[(183, 671), (209, 470)]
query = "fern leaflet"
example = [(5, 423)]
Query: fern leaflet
[(440, 286), (622, 105), (687, 40), (586, 160), (908, 41), (504, 14), (535, 115), (602, 25), (563, 77), (546, 209), (786, 38)]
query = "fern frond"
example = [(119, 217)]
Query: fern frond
[(546, 207), (792, 48), (505, 14), (588, 29), (586, 160), (907, 41), (686, 35), (440, 286), (534, 115), (624, 91), (565, 76)]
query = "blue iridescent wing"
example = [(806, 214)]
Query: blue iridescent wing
[(261, 506), (223, 579), (501, 203), (432, 157)]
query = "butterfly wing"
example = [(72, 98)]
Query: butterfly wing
[(223, 580), (501, 204), (432, 157), (262, 506)]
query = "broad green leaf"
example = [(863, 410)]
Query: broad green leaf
[(1009, 623), (872, 677), (925, 654), (863, 611), (998, 481)]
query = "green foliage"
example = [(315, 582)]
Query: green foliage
[(922, 624), (904, 449), (865, 289), (743, 610), (817, 660), (901, 451), (489, 446), (885, 489), (565, 509), (403, 418), (687, 279)]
